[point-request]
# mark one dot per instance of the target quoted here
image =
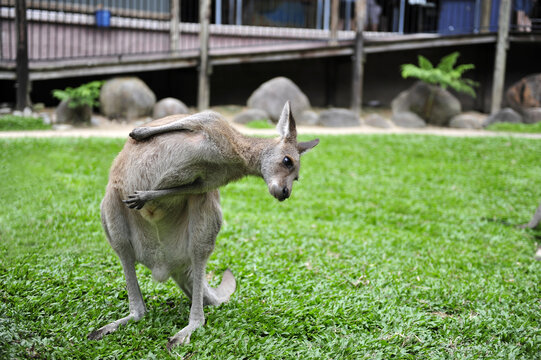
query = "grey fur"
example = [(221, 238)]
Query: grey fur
[(170, 172)]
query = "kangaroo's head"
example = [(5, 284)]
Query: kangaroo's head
[(281, 163)]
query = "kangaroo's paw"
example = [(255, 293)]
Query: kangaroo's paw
[(136, 200), (183, 336), (140, 133), (112, 327)]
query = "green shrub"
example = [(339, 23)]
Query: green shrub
[(86, 94), (13, 122), (444, 75)]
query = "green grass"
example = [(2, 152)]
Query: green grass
[(390, 247), (260, 124), (520, 128), (13, 123)]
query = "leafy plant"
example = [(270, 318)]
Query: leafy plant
[(445, 74), (86, 94)]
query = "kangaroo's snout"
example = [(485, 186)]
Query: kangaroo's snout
[(279, 192)]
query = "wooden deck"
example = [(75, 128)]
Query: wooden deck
[(64, 50)]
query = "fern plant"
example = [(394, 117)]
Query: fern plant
[(445, 74), (86, 94)]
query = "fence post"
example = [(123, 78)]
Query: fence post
[(498, 81), (358, 58), (23, 78), (174, 34), (334, 22), (203, 95)]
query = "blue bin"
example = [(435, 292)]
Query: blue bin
[(456, 17), (103, 18)]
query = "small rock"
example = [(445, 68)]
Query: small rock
[(338, 118), (377, 121), (532, 115), (308, 117), (504, 115), (169, 106), (250, 115), (68, 115), (62, 127), (46, 118), (468, 120), (407, 119)]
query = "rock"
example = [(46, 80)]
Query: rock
[(338, 118), (126, 98), (430, 102), (532, 115), (468, 120), (504, 115), (250, 115), (273, 94), (308, 117), (169, 106), (407, 119), (76, 116), (377, 121), (524, 94)]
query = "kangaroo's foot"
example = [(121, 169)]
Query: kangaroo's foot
[(112, 327)]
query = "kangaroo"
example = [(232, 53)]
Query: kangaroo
[(536, 219), (162, 207)]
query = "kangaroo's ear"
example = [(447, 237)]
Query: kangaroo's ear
[(286, 125), (305, 146)]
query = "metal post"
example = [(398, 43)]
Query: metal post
[(402, 15), (174, 31), (334, 22), (203, 95), (358, 59), (218, 14), (319, 14), (326, 14), (23, 77), (501, 56), (239, 12), (485, 15)]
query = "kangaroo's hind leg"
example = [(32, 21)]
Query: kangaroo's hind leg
[(536, 219), (205, 219), (117, 230)]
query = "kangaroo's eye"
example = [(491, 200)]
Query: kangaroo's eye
[(287, 162)]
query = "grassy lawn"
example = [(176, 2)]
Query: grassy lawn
[(391, 246), (520, 128), (16, 123)]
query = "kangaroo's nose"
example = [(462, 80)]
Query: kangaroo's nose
[(285, 192)]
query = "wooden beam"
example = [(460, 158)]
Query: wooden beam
[(174, 35), (203, 94), (335, 7), (358, 58), (501, 56), (23, 77)]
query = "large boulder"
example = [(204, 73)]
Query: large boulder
[(532, 115), (169, 106), (407, 119), (504, 115), (338, 118), (79, 115), (250, 115), (377, 121), (468, 120), (525, 94), (307, 117), (273, 94), (126, 98), (430, 102)]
